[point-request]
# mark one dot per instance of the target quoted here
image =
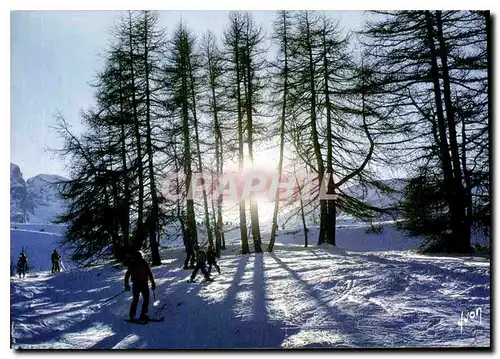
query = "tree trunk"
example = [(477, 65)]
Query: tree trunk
[(191, 231), (212, 64), (220, 164), (125, 204), (114, 232), (254, 209), (153, 214), (139, 235), (314, 137), (243, 218), (302, 215), (468, 185), (180, 215), (216, 222), (443, 140), (461, 236), (282, 137), (330, 204), (487, 19), (200, 165)]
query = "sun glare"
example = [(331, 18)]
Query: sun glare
[(266, 160)]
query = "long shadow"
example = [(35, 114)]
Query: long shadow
[(259, 289), (240, 271), (428, 268), (61, 305), (326, 252), (413, 266), (187, 318), (45, 331), (199, 322), (370, 326), (346, 324), (108, 342), (222, 323), (60, 315), (53, 334), (256, 331)]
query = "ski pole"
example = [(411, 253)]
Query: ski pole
[(155, 302), (113, 297)]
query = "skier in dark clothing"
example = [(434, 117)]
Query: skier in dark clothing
[(190, 257), (212, 260), (22, 265), (140, 272), (55, 258), (201, 258)]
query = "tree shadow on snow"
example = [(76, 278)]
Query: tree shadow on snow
[(196, 322), (231, 313), (350, 327), (426, 267)]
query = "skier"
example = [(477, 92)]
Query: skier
[(212, 259), (55, 258), (140, 272), (190, 256), (201, 258), (22, 265)]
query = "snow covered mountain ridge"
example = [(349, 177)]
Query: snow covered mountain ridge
[(35, 200)]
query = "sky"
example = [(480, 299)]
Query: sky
[(54, 56)]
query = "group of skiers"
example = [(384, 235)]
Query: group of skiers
[(140, 273), (197, 258), (22, 263)]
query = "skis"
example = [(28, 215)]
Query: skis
[(203, 281), (144, 322)]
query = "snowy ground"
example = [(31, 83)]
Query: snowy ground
[(370, 291), (38, 241)]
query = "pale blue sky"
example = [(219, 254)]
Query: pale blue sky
[(54, 54)]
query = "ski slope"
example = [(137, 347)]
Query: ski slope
[(38, 241), (355, 295)]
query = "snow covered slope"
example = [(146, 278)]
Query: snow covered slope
[(38, 247), (40, 227), (36, 200), (295, 297)]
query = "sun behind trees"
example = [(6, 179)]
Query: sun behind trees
[(409, 91)]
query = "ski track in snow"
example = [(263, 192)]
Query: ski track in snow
[(295, 297)]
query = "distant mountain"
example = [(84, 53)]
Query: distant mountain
[(18, 195), (36, 200), (44, 194)]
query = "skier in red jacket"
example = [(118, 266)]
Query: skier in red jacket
[(140, 272)]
